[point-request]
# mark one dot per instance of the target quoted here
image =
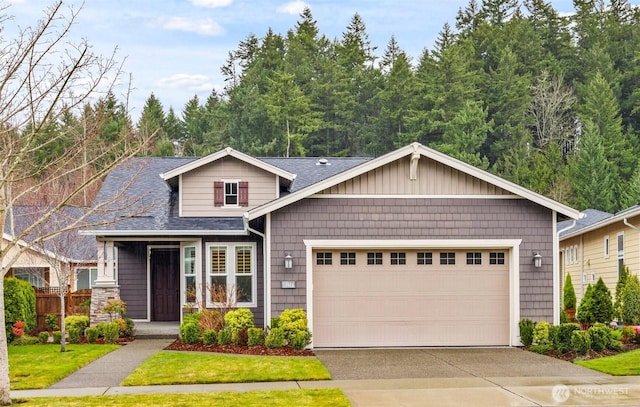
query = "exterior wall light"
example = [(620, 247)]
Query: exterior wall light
[(288, 261), (537, 260)]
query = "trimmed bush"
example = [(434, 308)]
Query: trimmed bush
[(25, 340), (526, 331), (77, 321), (563, 337), (224, 336), (240, 337), (125, 327), (627, 334), (541, 349), (110, 332), (623, 276), (190, 333), (255, 336), (584, 313), (568, 294), (600, 337), (57, 337), (553, 333), (237, 319), (295, 326), (43, 337), (210, 337), (52, 322), (74, 334), (275, 338), (602, 303), (19, 305), (541, 333), (581, 342), (630, 307), (92, 334), (564, 317), (299, 340)]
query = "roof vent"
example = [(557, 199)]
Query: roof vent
[(323, 161)]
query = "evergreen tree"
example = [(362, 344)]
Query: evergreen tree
[(151, 126)]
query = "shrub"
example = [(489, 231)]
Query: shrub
[(294, 324), (74, 334), (224, 336), (275, 338), (602, 306), (541, 333), (110, 332), (52, 322), (585, 313), (194, 318), (240, 337), (275, 322), (77, 321), (211, 319), (92, 334), (581, 341), (526, 331), (600, 337), (241, 318), (25, 340), (568, 294), (300, 339), (43, 337), (627, 334), (623, 275), (630, 307), (563, 337), (190, 333), (115, 308), (18, 329), (542, 349), (57, 337), (255, 336), (564, 317), (210, 337), (553, 334), (125, 327), (616, 345), (19, 305)]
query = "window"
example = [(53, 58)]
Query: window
[(620, 252), (86, 277), (496, 258), (189, 263), (324, 258), (36, 276), (398, 258), (374, 258), (230, 193), (584, 278), (474, 258), (233, 266), (425, 258), (447, 258), (593, 277), (348, 258), (606, 247)]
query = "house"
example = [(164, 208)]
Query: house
[(598, 245), (69, 253), (413, 248)]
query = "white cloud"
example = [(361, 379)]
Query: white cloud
[(205, 26), (211, 3), (193, 82), (293, 7)]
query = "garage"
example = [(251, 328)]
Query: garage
[(371, 297)]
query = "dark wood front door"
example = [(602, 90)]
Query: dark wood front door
[(165, 284)]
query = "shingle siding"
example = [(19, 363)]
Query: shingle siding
[(415, 218), (132, 278)]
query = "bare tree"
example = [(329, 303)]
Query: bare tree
[(44, 77)]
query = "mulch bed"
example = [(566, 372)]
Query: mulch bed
[(239, 350), (572, 356)]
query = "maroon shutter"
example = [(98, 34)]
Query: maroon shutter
[(243, 193), (218, 193)]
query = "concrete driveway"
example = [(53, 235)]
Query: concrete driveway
[(372, 364)]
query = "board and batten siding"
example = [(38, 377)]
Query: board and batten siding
[(132, 278), (433, 178), (197, 187), (414, 218)]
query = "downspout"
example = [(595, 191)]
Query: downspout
[(245, 220), (634, 227), (557, 294)]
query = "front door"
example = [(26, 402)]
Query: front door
[(165, 285)]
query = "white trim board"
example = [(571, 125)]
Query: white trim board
[(513, 245)]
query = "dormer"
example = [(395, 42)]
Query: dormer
[(226, 183)]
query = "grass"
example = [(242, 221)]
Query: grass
[(274, 398), (622, 364), (39, 366), (198, 368)]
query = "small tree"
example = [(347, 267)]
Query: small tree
[(602, 306), (622, 281), (630, 308), (569, 294), (585, 313)]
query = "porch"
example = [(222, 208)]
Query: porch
[(157, 330)]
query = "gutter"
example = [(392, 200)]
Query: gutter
[(245, 219), (634, 227)]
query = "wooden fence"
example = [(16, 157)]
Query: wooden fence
[(48, 302)]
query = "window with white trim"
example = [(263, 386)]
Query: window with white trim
[(189, 296), (233, 267), (230, 193), (36, 276), (575, 254), (606, 247), (86, 277), (620, 239)]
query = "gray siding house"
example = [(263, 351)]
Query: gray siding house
[(413, 248)]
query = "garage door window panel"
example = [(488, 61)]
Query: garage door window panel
[(496, 258), (447, 258), (348, 258), (474, 258), (398, 258), (374, 258), (424, 258), (324, 258)]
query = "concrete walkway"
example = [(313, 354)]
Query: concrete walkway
[(103, 376)]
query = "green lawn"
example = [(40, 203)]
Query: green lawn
[(622, 364), (197, 368), (274, 398), (39, 366)]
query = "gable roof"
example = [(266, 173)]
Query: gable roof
[(600, 219), (192, 165), (414, 148), (590, 217)]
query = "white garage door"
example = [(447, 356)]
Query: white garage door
[(414, 298)]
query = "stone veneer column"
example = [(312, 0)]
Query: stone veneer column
[(106, 287), (99, 298)]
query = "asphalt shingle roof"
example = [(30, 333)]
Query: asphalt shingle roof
[(591, 217)]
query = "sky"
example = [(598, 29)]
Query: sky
[(175, 48)]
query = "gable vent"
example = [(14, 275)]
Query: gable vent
[(323, 161)]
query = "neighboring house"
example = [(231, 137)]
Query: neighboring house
[(413, 248), (598, 245), (69, 252)]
